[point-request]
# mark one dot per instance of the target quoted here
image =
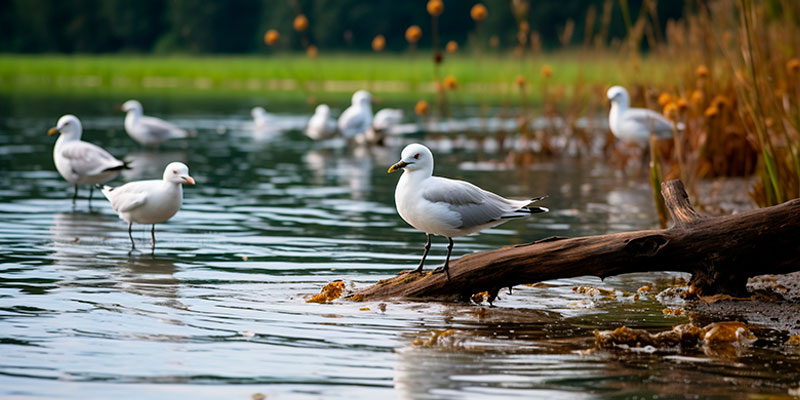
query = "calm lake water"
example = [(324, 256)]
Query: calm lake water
[(218, 309)]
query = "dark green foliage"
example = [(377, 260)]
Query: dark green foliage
[(237, 26)]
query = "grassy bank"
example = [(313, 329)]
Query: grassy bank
[(400, 76)]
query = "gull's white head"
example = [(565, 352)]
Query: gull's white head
[(414, 157), (132, 105), (258, 112), (322, 109), (362, 97), (69, 126), (618, 94), (177, 172)]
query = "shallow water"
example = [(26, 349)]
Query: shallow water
[(218, 309)]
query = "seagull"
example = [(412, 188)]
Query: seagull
[(79, 162), (321, 126), (384, 120), (152, 201), (260, 117), (387, 118), (148, 131), (448, 207), (356, 120), (634, 124)]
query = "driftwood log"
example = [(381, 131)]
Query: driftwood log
[(721, 253)]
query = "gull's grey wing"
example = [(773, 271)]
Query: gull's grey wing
[(127, 197), (475, 205), (163, 129), (87, 159), (641, 118)]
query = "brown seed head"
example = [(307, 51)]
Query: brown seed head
[(494, 41), (451, 46), (671, 110), (701, 72), (421, 108), (664, 98), (312, 51), (378, 43), (450, 82), (520, 81), (478, 12), (793, 66), (697, 97), (711, 112), (435, 7), (721, 102), (271, 37), (682, 104), (413, 34), (547, 71), (300, 23)]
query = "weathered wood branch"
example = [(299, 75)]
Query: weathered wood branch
[(720, 253)]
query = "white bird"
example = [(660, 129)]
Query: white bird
[(386, 118), (356, 120), (152, 201), (79, 162), (148, 131), (634, 124), (447, 207), (321, 126), (260, 117)]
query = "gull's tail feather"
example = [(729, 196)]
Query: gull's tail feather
[(106, 190), (536, 210), (524, 212), (534, 200), (124, 165)]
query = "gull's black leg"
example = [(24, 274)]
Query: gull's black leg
[(447, 260), (446, 267), (425, 253), (91, 191), (130, 234), (75, 195), (153, 236)]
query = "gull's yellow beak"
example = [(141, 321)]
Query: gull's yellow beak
[(52, 131), (396, 166)]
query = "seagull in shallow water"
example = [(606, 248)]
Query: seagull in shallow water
[(260, 117), (148, 131), (384, 120), (152, 201), (79, 162), (321, 126), (635, 124), (447, 207), (356, 120)]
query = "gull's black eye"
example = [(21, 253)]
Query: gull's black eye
[(174, 171), (416, 156)]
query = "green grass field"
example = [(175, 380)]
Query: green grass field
[(399, 76)]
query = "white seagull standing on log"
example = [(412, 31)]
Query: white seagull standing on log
[(447, 207)]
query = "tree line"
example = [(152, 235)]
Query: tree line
[(238, 26)]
